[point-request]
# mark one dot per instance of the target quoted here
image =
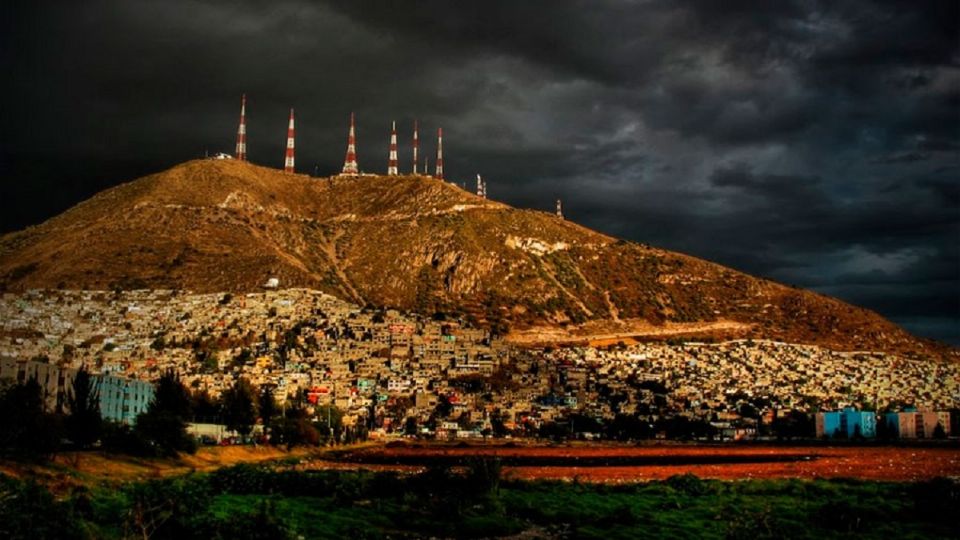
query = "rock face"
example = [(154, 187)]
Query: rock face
[(414, 243)]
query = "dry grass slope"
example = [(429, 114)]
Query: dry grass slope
[(414, 243)]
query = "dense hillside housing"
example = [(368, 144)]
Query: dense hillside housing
[(398, 372)]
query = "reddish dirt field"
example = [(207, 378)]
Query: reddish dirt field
[(615, 464)]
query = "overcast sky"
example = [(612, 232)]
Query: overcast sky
[(814, 143)]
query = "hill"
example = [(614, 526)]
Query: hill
[(419, 244)]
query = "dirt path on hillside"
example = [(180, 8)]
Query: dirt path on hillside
[(330, 249), (600, 333)]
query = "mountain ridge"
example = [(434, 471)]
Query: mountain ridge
[(419, 244)]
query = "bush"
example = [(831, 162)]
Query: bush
[(258, 502), (937, 500), (241, 479), (689, 484), (847, 516), (174, 508), (762, 524), (246, 479), (123, 439), (28, 511), (294, 429), (164, 434), (260, 524), (483, 475)]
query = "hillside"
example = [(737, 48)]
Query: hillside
[(420, 244)]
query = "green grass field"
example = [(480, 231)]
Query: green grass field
[(260, 502)]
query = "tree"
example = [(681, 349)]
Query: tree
[(172, 396), (268, 406), (204, 407), (885, 431), (83, 422), (683, 428), (443, 408), (329, 422), (240, 407), (747, 410), (626, 427), (410, 426), (208, 360), (26, 429), (294, 429), (581, 423), (164, 424), (795, 424), (557, 431), (498, 423)]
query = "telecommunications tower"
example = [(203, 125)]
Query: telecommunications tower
[(350, 162), (241, 152), (288, 160), (392, 163)]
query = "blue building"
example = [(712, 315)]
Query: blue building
[(828, 424), (121, 400), (847, 423), (854, 422)]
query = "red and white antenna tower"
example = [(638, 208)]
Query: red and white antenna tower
[(439, 153), (242, 130), (288, 161), (559, 209), (416, 146), (392, 164), (350, 162)]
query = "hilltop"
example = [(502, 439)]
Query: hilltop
[(420, 244)]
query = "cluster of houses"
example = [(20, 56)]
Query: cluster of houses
[(395, 372), (718, 382), (789, 376)]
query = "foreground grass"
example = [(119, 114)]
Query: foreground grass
[(684, 507), (259, 502)]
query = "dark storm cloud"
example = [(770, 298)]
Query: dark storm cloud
[(816, 143), (777, 190)]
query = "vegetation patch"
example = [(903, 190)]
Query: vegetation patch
[(472, 501)]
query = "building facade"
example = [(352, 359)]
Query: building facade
[(121, 399), (847, 423), (912, 424)]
